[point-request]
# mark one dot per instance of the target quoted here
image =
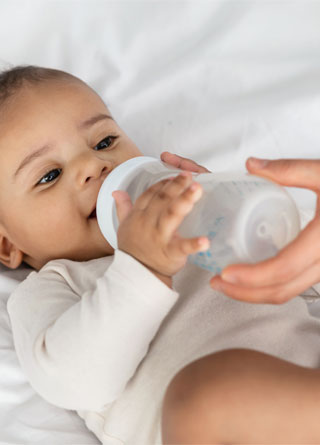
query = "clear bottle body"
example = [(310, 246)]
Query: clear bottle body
[(245, 217)]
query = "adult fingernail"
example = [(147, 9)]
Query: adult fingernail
[(229, 278), (215, 285), (258, 163)]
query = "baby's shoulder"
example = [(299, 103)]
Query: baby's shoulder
[(78, 276)]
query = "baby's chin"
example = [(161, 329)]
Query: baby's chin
[(91, 254), (105, 250)]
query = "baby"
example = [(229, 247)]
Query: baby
[(104, 332)]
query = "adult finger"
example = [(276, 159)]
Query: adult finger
[(303, 173), (297, 256), (273, 294), (182, 163)]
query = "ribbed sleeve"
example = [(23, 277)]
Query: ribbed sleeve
[(79, 349)]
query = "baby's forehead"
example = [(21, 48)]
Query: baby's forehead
[(65, 97), (60, 89), (21, 86)]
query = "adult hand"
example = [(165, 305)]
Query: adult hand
[(297, 266)]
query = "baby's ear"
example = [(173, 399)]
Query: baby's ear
[(10, 255)]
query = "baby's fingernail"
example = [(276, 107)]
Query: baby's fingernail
[(229, 278), (258, 163), (193, 187), (203, 242)]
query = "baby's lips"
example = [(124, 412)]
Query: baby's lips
[(93, 214)]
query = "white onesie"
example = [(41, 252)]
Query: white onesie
[(105, 337)]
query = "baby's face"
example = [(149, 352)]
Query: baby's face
[(46, 199)]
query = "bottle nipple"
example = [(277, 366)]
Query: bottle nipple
[(263, 230)]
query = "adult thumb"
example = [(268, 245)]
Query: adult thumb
[(123, 204), (303, 173)]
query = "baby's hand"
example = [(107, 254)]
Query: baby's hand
[(148, 228)]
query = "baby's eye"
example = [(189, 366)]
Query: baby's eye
[(105, 143), (50, 176)]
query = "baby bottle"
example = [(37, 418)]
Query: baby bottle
[(246, 218)]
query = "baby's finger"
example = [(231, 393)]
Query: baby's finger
[(144, 199), (123, 204), (182, 163), (274, 294), (173, 214), (186, 246), (168, 193), (297, 256)]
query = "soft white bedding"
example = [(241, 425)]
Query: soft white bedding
[(216, 81)]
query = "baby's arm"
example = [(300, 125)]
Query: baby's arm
[(80, 351)]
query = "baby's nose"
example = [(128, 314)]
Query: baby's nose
[(99, 172), (87, 168)]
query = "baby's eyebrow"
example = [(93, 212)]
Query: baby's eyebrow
[(94, 119), (36, 154)]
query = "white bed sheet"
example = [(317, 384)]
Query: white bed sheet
[(216, 81)]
